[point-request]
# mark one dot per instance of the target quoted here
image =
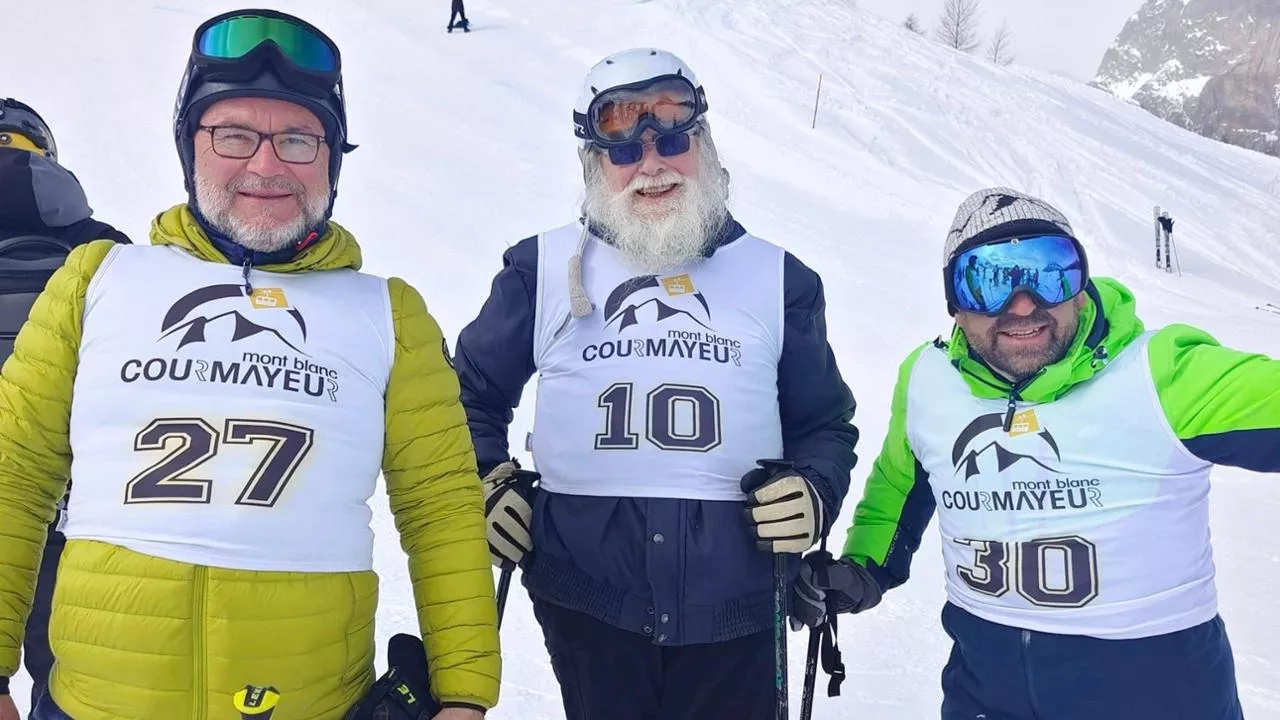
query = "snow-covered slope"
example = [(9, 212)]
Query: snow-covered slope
[(466, 147)]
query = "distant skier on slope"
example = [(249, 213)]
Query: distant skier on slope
[(459, 11), (1068, 452)]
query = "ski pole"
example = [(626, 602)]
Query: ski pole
[(811, 659), (1175, 254), (810, 672), (780, 589), (780, 635), (504, 585)]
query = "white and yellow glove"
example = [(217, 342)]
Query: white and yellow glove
[(508, 512), (783, 509)]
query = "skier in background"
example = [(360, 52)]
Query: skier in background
[(459, 10), (46, 207)]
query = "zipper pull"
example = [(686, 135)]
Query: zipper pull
[(1008, 417), (305, 242), (248, 288)]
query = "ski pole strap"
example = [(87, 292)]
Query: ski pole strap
[(832, 662)]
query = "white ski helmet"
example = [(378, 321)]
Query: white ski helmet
[(635, 67)]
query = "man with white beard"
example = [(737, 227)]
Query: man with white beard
[(691, 424)]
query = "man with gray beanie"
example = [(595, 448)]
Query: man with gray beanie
[(1067, 451)]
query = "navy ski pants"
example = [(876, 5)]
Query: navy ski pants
[(44, 708), (36, 654), (998, 672), (607, 673)]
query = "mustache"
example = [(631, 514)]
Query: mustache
[(1038, 317), (257, 182), (648, 182)]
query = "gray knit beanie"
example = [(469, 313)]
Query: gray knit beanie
[(999, 213)]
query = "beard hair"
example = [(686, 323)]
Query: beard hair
[(673, 233), (1022, 365), (260, 233)]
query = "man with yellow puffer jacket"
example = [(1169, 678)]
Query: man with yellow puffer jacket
[(223, 400)]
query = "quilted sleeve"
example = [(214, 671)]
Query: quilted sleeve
[(35, 446), (1223, 404), (430, 469)]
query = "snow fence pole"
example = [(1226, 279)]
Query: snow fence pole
[(815, 103)]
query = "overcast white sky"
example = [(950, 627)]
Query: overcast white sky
[(1067, 37)]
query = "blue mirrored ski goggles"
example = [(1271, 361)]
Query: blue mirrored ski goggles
[(666, 145), (984, 279)]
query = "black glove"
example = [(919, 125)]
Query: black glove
[(403, 692), (826, 586)]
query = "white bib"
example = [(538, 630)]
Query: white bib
[(670, 388), (1088, 517), (218, 428)]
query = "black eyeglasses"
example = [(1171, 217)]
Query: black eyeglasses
[(238, 143)]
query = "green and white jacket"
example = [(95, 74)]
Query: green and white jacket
[(1075, 502)]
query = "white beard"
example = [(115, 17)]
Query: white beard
[(259, 233), (668, 234)]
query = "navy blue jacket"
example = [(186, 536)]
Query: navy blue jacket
[(681, 571)]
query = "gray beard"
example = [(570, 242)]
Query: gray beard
[(214, 203), (681, 229)]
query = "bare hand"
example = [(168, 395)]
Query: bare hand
[(9, 711), (445, 714)]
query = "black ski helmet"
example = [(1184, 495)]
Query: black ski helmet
[(20, 118), (264, 72)]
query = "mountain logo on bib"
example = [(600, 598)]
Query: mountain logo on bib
[(227, 313), (647, 299), (1026, 442)]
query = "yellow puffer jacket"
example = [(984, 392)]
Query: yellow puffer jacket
[(140, 637)]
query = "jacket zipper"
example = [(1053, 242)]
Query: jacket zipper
[(1015, 391), (198, 642)]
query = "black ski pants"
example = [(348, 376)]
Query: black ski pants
[(457, 11), (607, 673), (36, 654)]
